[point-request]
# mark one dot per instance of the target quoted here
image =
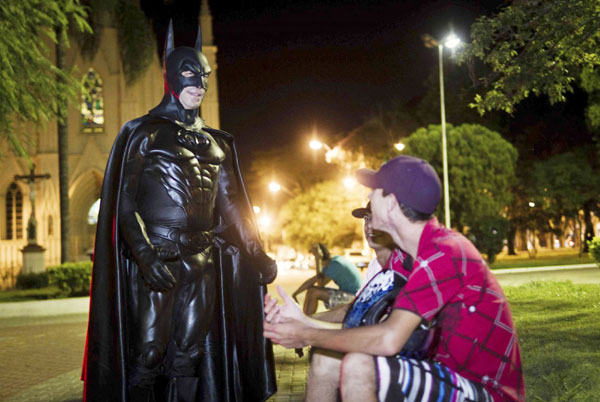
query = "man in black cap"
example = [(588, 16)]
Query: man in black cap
[(475, 354), (324, 370)]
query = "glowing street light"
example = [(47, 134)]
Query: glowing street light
[(531, 204), (399, 146), (315, 144), (349, 182), (450, 42), (256, 209), (274, 187), (264, 221)]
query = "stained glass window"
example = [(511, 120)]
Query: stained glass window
[(92, 103)]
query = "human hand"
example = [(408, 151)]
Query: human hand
[(285, 312), (287, 334), (157, 275)]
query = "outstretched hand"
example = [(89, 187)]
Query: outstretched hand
[(278, 313)]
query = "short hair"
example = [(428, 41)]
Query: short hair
[(410, 213), (324, 251)]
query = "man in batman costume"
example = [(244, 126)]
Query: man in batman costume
[(179, 270)]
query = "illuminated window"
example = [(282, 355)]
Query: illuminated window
[(14, 212), (92, 104)]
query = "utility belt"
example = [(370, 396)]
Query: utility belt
[(195, 241)]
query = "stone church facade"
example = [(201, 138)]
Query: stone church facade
[(92, 129)]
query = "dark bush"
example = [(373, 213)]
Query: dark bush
[(72, 278), (32, 281), (488, 235), (30, 294)]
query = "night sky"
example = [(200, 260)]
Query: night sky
[(286, 67)]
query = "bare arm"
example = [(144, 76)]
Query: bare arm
[(307, 284), (336, 314), (384, 339)]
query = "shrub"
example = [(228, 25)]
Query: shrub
[(72, 278), (594, 247), (488, 235), (30, 294), (32, 281)]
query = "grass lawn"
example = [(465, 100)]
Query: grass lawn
[(559, 334), (542, 259)]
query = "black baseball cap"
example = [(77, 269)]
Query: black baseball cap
[(413, 181), (362, 212)]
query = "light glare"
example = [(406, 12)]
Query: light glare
[(399, 146), (316, 145), (452, 41), (349, 182), (274, 187)]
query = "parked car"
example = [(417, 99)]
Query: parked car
[(359, 257)]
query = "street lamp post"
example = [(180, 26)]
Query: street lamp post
[(450, 42)]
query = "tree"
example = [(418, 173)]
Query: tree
[(27, 92), (133, 28), (322, 214), (532, 48), (481, 167), (569, 185), (294, 165), (488, 235)]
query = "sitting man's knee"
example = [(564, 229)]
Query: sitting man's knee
[(357, 364), (325, 362)]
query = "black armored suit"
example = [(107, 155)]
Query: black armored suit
[(176, 308)]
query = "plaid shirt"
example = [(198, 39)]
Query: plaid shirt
[(451, 283)]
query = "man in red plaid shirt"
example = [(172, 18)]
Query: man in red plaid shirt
[(475, 356)]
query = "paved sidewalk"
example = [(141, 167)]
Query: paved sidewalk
[(41, 343), (291, 383)]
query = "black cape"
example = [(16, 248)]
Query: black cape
[(238, 364)]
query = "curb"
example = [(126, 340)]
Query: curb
[(500, 271), (41, 308)]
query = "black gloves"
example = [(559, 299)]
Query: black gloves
[(267, 269), (155, 273)]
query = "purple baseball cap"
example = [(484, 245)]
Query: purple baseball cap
[(413, 181)]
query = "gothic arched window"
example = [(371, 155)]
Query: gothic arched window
[(14, 212), (92, 103)]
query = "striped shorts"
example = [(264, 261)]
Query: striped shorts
[(404, 379)]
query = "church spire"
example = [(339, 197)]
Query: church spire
[(205, 21)]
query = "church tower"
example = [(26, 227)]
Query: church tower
[(209, 109)]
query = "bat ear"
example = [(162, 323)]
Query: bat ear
[(198, 45), (169, 42)]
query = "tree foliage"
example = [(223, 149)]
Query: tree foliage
[(533, 48), (567, 184), (294, 166), (29, 88), (481, 167), (134, 32), (322, 214)]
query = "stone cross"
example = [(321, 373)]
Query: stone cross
[(32, 179)]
